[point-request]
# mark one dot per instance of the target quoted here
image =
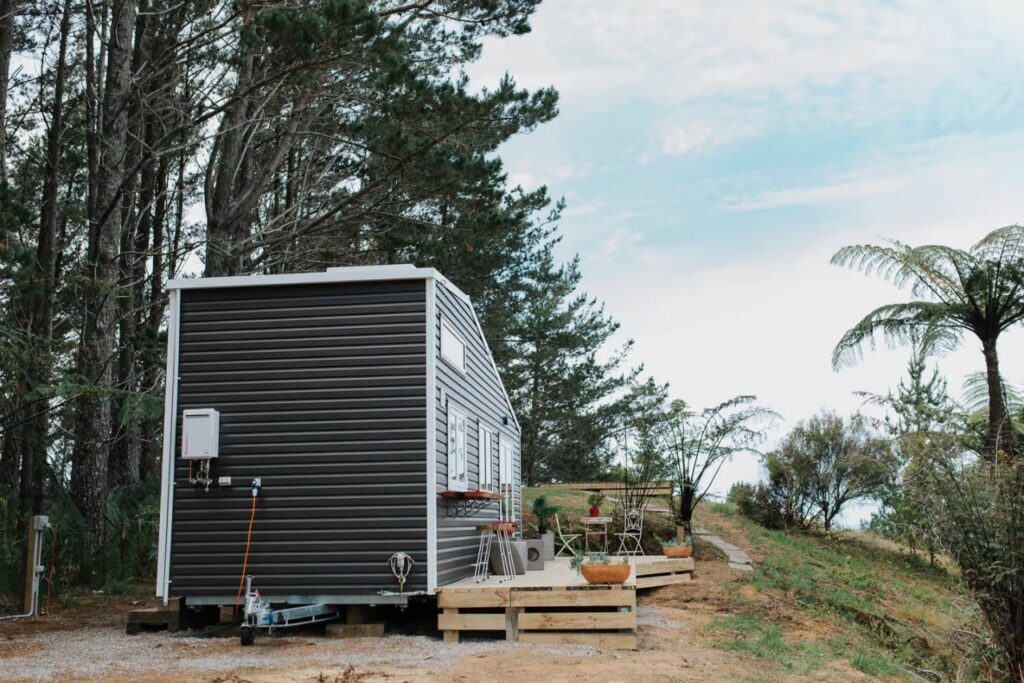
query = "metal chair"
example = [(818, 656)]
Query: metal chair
[(564, 539), (629, 539)]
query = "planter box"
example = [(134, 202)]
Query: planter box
[(676, 551), (606, 573)]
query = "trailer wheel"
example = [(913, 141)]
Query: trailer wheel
[(248, 636)]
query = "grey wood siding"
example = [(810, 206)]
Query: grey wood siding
[(321, 390), (480, 395)]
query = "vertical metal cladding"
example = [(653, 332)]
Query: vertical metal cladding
[(480, 395), (321, 392)]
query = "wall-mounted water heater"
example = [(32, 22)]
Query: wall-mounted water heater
[(200, 433)]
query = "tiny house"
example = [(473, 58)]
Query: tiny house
[(328, 412)]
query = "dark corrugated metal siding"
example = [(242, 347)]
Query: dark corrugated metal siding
[(481, 396), (322, 392)]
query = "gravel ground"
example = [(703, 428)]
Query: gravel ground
[(98, 652), (658, 617)]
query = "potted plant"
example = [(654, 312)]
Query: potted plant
[(595, 500), (675, 549), (598, 568), (543, 512)]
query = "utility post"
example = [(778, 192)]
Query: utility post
[(33, 563)]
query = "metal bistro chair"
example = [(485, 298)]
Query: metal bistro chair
[(564, 539), (629, 540)]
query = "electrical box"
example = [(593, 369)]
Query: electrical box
[(200, 433)]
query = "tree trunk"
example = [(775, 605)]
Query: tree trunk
[(41, 293), (686, 497), (8, 10), (89, 485), (1000, 431)]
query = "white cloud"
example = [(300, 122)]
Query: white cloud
[(844, 191), (674, 51), (683, 140)]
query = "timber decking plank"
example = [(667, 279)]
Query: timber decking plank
[(662, 565), (467, 621), (662, 580), (614, 641), (574, 621), (615, 597), (481, 597)]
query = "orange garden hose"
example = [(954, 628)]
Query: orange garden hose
[(245, 561)]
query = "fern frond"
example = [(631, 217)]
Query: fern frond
[(899, 324)]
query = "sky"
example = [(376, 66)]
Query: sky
[(714, 155)]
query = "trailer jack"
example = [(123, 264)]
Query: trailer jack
[(259, 614)]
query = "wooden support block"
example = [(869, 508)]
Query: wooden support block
[(451, 636), (512, 617), (616, 597), (483, 597), (161, 616), (453, 620), (354, 630), (603, 641), (573, 621)]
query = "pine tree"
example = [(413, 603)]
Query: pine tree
[(569, 401)]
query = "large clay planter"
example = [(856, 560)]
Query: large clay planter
[(676, 551), (606, 573)]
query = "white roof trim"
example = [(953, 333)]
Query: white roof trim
[(346, 274)]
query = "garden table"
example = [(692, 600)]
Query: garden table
[(596, 527)]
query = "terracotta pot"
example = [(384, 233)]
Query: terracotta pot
[(595, 512), (676, 550), (606, 573)]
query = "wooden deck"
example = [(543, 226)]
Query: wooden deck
[(555, 605)]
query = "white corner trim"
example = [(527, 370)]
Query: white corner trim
[(431, 351), (163, 554), (352, 274)]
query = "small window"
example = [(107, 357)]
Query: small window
[(453, 349), (486, 442), (457, 470)]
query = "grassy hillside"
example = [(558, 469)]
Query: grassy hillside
[(817, 607)]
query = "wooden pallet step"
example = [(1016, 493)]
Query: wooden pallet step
[(604, 641), (453, 620), (665, 566), (662, 580), (474, 597), (576, 621), (618, 597)]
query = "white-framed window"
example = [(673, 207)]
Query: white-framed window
[(453, 348), (506, 483), (458, 472), (486, 440)]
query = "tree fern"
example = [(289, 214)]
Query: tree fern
[(979, 291)]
